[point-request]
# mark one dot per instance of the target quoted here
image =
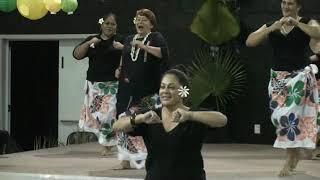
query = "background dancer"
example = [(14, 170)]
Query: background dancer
[(99, 109), (143, 61), (293, 90)]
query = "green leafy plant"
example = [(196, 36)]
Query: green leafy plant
[(215, 23), (218, 75)]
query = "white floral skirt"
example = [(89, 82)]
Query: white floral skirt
[(132, 148), (294, 104), (99, 110)]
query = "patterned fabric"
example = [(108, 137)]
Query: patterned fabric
[(132, 148), (99, 110), (294, 105)]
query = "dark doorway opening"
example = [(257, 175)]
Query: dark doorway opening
[(34, 91)]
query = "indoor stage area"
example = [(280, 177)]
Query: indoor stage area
[(240, 77), (83, 161)]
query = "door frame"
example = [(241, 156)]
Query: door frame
[(5, 67)]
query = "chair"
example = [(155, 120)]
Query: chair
[(8, 144), (80, 137)]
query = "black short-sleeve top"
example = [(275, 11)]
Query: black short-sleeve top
[(145, 72), (103, 59), (289, 51), (175, 154)]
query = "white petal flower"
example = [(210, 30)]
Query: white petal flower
[(314, 68), (101, 21), (183, 91), (134, 20)]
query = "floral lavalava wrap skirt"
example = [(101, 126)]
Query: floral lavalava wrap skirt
[(132, 148), (99, 111), (294, 105)]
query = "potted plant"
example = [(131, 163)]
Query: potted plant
[(217, 76)]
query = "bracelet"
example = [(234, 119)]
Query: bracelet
[(133, 120)]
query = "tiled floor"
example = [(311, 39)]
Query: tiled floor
[(222, 162)]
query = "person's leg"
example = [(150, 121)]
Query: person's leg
[(295, 159), (316, 152), (123, 98), (290, 153), (106, 151)]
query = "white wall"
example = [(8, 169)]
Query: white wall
[(1, 87), (71, 82)]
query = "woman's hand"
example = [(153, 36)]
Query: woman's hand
[(117, 45), (181, 115), (117, 72), (277, 25), (94, 41), (151, 117), (138, 44), (290, 21), (314, 58)]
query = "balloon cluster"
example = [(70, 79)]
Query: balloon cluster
[(36, 9)]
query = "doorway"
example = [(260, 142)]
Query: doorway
[(34, 91)]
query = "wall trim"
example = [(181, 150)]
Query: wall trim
[(12, 37)]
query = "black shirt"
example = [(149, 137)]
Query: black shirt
[(144, 74), (103, 59), (173, 155), (290, 51)]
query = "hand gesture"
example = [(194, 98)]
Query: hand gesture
[(94, 41), (117, 73), (136, 43), (277, 25), (181, 115), (290, 21), (151, 117), (117, 45), (313, 58)]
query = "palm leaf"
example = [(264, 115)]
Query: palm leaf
[(219, 76), (214, 23)]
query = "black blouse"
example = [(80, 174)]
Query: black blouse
[(290, 51), (173, 155), (144, 74), (104, 59)]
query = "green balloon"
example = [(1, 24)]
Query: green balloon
[(8, 5), (69, 6)]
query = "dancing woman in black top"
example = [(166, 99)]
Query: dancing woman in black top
[(174, 133), (143, 59), (99, 109), (292, 87)]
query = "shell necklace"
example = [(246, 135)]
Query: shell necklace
[(135, 51)]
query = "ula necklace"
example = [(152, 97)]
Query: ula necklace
[(135, 51)]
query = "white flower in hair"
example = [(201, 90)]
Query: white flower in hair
[(314, 68), (183, 91), (134, 20), (101, 21)]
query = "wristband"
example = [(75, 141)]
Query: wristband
[(133, 120)]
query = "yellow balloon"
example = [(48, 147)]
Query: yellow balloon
[(53, 5), (32, 9)]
